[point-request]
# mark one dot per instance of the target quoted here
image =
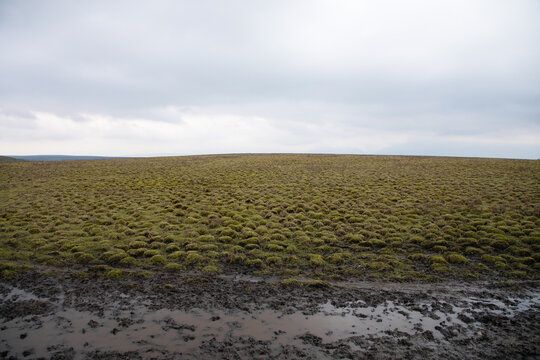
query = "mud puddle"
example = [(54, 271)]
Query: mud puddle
[(139, 325)]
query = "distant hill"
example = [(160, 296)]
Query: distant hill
[(58, 157), (4, 159)]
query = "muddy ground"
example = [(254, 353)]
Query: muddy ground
[(191, 317)]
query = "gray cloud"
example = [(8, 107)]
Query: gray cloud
[(461, 69)]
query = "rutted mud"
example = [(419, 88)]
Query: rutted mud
[(194, 317)]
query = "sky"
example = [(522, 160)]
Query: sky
[(153, 78)]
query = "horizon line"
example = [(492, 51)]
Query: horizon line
[(104, 157)]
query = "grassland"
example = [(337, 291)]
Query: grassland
[(316, 216), (7, 159)]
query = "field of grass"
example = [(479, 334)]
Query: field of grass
[(317, 216), (7, 159)]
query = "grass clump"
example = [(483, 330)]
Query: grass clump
[(339, 258), (143, 274), (457, 259), (254, 263), (172, 248), (157, 260), (8, 274), (176, 255), (115, 274), (84, 258), (316, 260), (210, 270), (274, 261), (193, 258), (315, 284), (128, 261), (173, 267), (136, 252), (418, 257), (437, 259), (439, 268), (151, 253)]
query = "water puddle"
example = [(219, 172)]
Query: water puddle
[(144, 330)]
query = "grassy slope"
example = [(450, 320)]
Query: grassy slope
[(4, 159), (58, 157), (397, 218)]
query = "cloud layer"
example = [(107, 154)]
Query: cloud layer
[(182, 77)]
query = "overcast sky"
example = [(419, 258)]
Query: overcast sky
[(145, 78)]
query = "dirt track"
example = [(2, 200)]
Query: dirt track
[(170, 316)]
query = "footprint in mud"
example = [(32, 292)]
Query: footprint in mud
[(234, 325), (93, 324), (171, 324), (125, 322), (28, 352)]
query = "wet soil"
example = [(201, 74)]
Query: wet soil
[(193, 317)]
